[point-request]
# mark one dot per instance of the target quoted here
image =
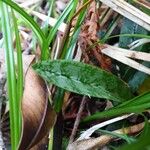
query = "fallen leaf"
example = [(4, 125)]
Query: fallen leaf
[(41, 145), (88, 38), (38, 115)]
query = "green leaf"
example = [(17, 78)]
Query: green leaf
[(59, 21), (11, 74), (19, 72), (135, 105), (71, 41), (35, 27), (133, 77), (83, 79), (143, 143), (125, 137)]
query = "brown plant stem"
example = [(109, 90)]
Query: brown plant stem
[(77, 121)]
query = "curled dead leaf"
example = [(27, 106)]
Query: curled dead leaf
[(42, 144), (38, 115)]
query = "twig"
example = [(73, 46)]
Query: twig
[(77, 121)]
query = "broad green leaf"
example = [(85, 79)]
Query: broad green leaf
[(135, 105), (133, 77), (145, 86), (83, 79), (138, 79)]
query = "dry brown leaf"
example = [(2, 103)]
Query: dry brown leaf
[(89, 37), (38, 115), (41, 145)]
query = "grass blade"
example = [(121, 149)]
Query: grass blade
[(34, 26), (59, 21), (19, 68), (11, 77), (135, 105)]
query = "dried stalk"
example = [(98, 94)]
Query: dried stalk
[(123, 56), (86, 134), (77, 121), (101, 141), (129, 11), (128, 53)]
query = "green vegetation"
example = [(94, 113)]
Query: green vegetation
[(72, 66)]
